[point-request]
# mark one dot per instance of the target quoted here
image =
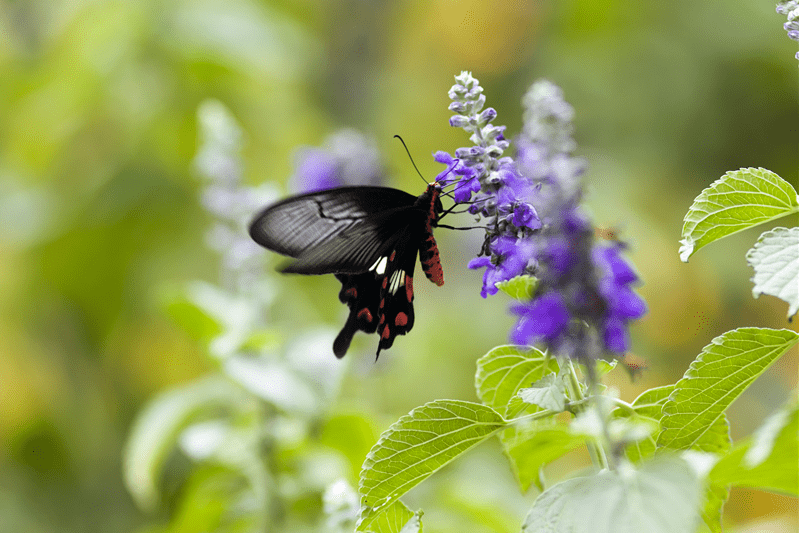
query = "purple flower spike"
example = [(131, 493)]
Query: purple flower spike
[(534, 225)]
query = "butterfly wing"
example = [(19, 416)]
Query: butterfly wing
[(333, 231), (381, 299), (370, 238)]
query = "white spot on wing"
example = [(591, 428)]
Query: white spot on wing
[(397, 281), (380, 265)]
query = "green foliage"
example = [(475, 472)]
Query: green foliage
[(768, 459), (715, 497), (531, 444), (658, 497), (775, 258), (723, 370), (548, 392), (528, 444), (506, 369), (737, 201), (397, 519), (416, 446), (521, 288), (158, 427), (648, 406)]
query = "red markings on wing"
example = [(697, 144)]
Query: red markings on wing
[(386, 333), (385, 282), (392, 256), (409, 288), (365, 314), (401, 319), (352, 292)]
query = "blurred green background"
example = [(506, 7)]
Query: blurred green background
[(99, 211)]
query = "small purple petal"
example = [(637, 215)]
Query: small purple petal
[(458, 121), (545, 317), (464, 189), (443, 157), (488, 115), (525, 215), (479, 262), (609, 258), (628, 305), (615, 336)]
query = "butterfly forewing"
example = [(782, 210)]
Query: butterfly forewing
[(293, 225), (355, 249)]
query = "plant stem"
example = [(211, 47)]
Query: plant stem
[(595, 449)]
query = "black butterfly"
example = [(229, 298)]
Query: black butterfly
[(368, 237)]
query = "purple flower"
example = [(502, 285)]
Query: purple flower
[(509, 259), (466, 184), (348, 159), (544, 318), (316, 170)]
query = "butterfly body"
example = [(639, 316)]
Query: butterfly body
[(369, 238)]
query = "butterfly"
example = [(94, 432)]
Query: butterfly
[(369, 238)]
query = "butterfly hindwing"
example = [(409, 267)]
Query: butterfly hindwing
[(381, 299), (396, 294)]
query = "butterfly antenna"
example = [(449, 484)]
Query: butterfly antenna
[(410, 157), (460, 228)]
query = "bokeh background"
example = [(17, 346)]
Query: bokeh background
[(100, 219)]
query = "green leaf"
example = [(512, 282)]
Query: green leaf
[(661, 497), (724, 369), (529, 445), (739, 200), (397, 519), (775, 258), (416, 446), (648, 405), (506, 369), (715, 496), (521, 288), (548, 392), (604, 367), (650, 402), (156, 430), (768, 459)]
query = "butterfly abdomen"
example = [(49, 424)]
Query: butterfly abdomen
[(428, 249)]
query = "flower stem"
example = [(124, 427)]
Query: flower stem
[(595, 449)]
